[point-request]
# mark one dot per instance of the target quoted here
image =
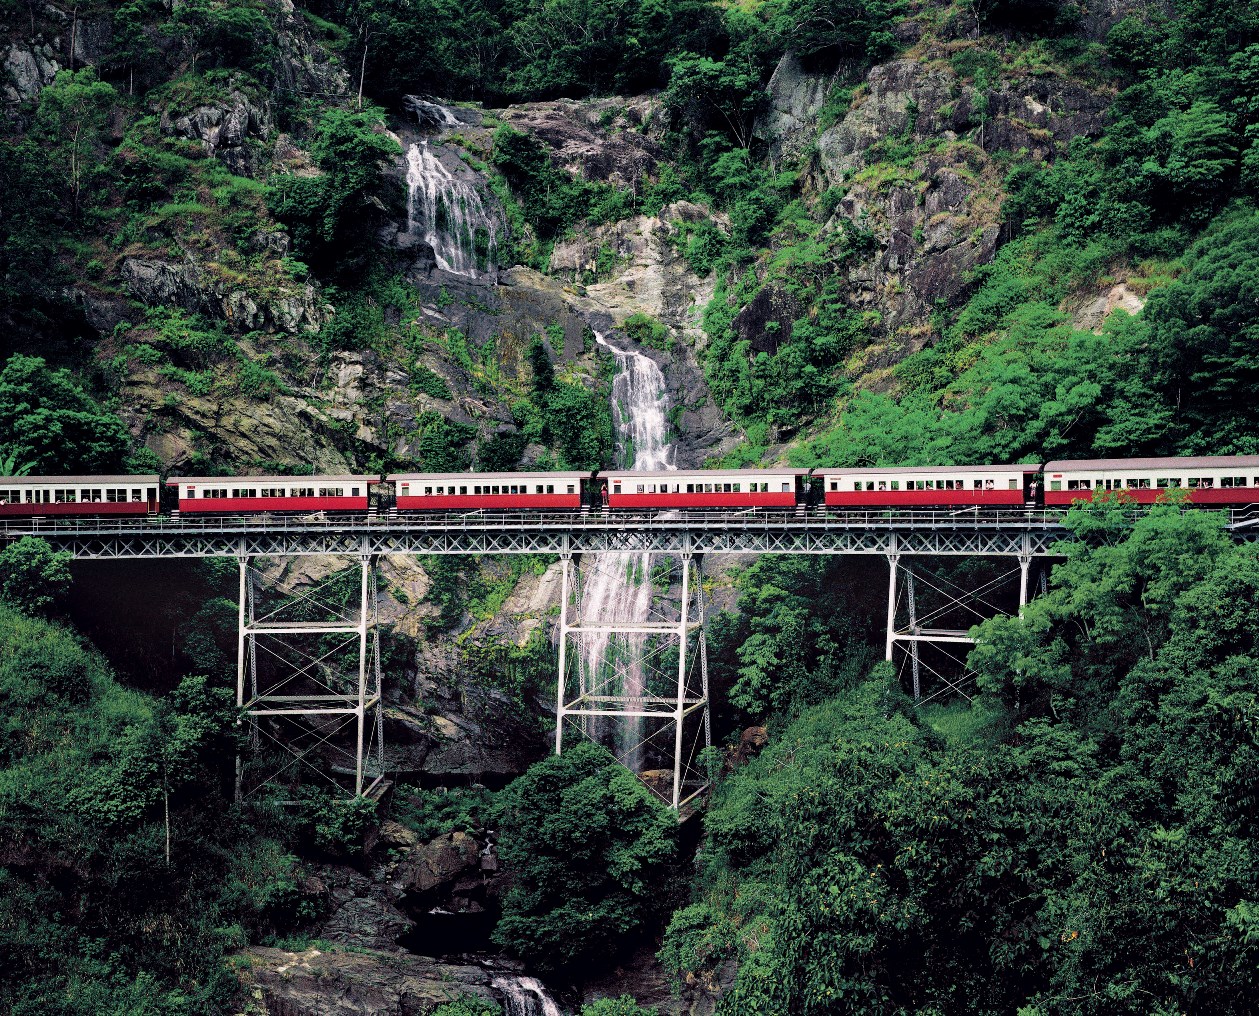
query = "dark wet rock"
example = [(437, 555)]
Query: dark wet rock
[(429, 868)]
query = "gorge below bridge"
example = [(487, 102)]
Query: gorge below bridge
[(350, 707)]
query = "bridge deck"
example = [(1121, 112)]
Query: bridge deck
[(962, 532)]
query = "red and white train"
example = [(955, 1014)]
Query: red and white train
[(1217, 480)]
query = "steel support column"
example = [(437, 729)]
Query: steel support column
[(304, 684)]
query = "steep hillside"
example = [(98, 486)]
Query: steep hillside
[(242, 235)]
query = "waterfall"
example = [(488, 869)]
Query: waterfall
[(525, 996), (619, 589), (447, 208)]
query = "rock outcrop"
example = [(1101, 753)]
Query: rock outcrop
[(295, 308), (362, 982)]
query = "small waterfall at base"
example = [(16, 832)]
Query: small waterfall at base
[(620, 589), (525, 996)]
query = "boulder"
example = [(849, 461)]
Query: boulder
[(433, 866)]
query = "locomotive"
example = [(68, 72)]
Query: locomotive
[(1213, 480)]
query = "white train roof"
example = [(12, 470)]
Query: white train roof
[(474, 477), (662, 473), (1015, 467), (35, 481), (1181, 463), (196, 480)]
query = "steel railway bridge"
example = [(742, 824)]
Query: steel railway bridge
[(319, 630)]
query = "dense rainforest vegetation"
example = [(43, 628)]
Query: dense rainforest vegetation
[(1079, 838)]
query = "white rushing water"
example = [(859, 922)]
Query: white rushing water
[(448, 210), (619, 588), (525, 996)]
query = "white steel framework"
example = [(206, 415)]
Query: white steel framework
[(975, 604), (308, 665), (669, 723)]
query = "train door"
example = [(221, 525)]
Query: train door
[(1033, 489), (151, 500)]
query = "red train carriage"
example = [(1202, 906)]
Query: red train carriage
[(78, 495), (1208, 479), (934, 486), (230, 495), (488, 491), (703, 488)]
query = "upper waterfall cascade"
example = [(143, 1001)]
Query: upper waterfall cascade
[(447, 207)]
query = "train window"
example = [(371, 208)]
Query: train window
[(353, 492), (240, 492), (856, 485), (537, 488), (137, 494), (428, 491), (786, 488), (1233, 481), (1012, 484), (1201, 481), (896, 484), (211, 492), (64, 497), (476, 489), (1073, 485), (1055, 485), (765, 488), (690, 488), (738, 488), (616, 488), (639, 489), (726, 488), (651, 488), (303, 491), (572, 489), (10, 497), (550, 488), (948, 484), (1167, 482), (494, 489)]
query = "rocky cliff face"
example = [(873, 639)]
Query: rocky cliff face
[(915, 161)]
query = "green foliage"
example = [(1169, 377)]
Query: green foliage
[(570, 414), (33, 577), (334, 824), (433, 813), (328, 214), (51, 423), (550, 199), (425, 379), (111, 802), (1087, 821), (623, 1006), (588, 849), (488, 51), (469, 1005), (790, 647), (646, 330)]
